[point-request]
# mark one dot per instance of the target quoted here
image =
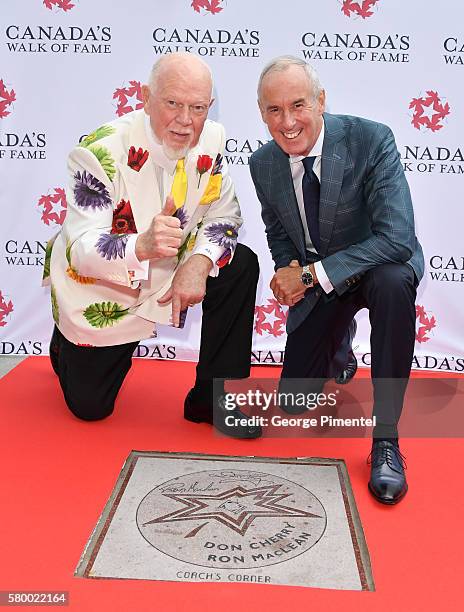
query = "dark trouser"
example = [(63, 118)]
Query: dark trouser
[(91, 377), (389, 293)]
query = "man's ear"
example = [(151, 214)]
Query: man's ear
[(146, 97)]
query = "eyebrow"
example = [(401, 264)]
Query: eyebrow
[(271, 106)]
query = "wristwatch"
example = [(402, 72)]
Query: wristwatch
[(307, 277)]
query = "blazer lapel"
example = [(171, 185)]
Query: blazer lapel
[(285, 199), (333, 161), (141, 185)]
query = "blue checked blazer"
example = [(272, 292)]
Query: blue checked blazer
[(365, 216)]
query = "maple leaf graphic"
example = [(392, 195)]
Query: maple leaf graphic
[(64, 5), (417, 104), (124, 95), (209, 6), (5, 309), (6, 98), (277, 326), (357, 8), (426, 324), (50, 213), (214, 7), (430, 101), (199, 4), (420, 335)]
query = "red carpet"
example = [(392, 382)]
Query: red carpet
[(57, 473)]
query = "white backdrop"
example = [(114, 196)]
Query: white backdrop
[(66, 66)]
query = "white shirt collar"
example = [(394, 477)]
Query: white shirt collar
[(158, 155), (316, 151)]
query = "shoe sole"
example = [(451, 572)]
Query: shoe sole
[(195, 419)]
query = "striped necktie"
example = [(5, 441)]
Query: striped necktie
[(179, 184), (311, 194)]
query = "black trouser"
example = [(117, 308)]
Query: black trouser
[(389, 292), (91, 377)]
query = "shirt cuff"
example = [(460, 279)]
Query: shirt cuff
[(138, 270), (212, 252), (322, 277)]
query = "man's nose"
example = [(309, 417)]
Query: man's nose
[(184, 116), (288, 120)]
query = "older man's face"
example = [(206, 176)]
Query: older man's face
[(288, 108), (178, 108)]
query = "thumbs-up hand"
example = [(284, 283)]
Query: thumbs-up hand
[(163, 237)]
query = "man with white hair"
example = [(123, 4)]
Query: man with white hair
[(340, 227), (151, 229)]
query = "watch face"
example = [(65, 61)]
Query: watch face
[(307, 278)]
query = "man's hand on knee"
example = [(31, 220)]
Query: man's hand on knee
[(188, 286), (286, 284)]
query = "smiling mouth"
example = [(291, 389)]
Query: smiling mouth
[(292, 135)]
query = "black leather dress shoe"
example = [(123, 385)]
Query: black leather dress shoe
[(388, 481), (350, 370), (199, 412)]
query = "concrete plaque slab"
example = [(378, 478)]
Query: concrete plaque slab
[(213, 518)]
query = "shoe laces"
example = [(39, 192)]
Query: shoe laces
[(389, 454)]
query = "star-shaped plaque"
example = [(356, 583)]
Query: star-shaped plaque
[(235, 508)]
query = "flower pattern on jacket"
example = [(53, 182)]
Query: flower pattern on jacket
[(214, 186), (89, 192), (112, 246), (204, 163), (182, 216), (123, 219), (136, 158), (223, 234)]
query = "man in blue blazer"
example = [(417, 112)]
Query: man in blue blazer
[(340, 226)]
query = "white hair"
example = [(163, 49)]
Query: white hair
[(168, 58), (283, 62)]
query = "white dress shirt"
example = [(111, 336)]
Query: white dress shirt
[(297, 170)]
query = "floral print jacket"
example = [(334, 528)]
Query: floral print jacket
[(113, 193)]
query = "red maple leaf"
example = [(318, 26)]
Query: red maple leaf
[(5, 309), (417, 104), (210, 6), (443, 110), (348, 7), (430, 324), (214, 7), (277, 327), (362, 10), (199, 4), (426, 324), (434, 126), (421, 335), (65, 5), (49, 214), (432, 98), (6, 98), (420, 312), (123, 95)]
